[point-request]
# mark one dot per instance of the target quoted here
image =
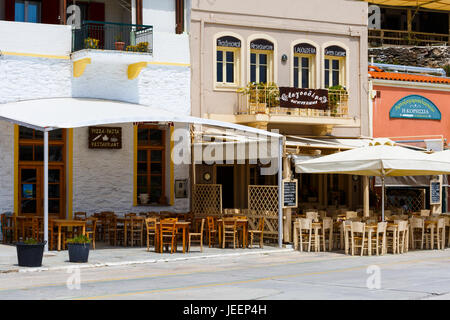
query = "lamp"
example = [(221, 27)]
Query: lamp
[(284, 58)]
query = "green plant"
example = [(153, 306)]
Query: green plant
[(447, 69), (262, 93), (31, 241), (335, 94), (140, 47), (91, 43), (118, 37), (81, 239)]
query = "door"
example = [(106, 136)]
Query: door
[(225, 177)]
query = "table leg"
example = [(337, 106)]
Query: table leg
[(245, 235), (432, 237), (370, 243), (125, 237), (59, 238), (184, 240), (295, 238)]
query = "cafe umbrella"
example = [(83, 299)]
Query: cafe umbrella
[(381, 158)]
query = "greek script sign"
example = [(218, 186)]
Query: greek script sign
[(230, 42), (305, 48), (435, 192), (261, 44), (105, 138), (335, 51), (303, 98), (415, 107), (290, 193)]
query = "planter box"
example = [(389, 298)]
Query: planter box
[(30, 255), (78, 252)]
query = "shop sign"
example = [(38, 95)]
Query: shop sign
[(290, 193), (230, 42), (335, 51), (435, 192), (261, 44), (305, 48), (415, 107), (105, 138), (303, 98)]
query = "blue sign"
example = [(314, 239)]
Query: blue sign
[(415, 107)]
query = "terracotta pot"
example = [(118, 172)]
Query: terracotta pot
[(119, 45)]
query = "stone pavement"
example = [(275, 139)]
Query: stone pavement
[(105, 256)]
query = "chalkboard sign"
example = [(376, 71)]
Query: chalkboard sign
[(289, 193), (435, 192)]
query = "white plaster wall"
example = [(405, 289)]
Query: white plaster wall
[(35, 38), (160, 14), (6, 167)]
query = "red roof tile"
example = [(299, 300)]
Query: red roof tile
[(380, 74)]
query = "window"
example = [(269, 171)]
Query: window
[(151, 165), (334, 66), (261, 61), (227, 61), (31, 145), (304, 66), (27, 11)]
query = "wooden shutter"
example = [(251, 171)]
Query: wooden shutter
[(179, 16)]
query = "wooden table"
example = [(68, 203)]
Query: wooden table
[(60, 223), (239, 223), (179, 225)]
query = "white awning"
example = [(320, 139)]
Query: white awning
[(49, 114)]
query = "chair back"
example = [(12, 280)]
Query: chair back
[(304, 223), (150, 224), (381, 227), (402, 225), (211, 223), (229, 224), (327, 223), (80, 216), (137, 223), (358, 226), (313, 215), (91, 223), (425, 213), (202, 226), (441, 223), (261, 224), (416, 223), (387, 213), (351, 214), (168, 227)]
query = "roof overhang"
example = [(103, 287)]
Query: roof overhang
[(427, 4)]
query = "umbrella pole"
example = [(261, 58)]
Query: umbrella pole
[(382, 198)]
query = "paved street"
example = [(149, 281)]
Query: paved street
[(289, 275)]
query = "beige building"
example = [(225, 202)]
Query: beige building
[(296, 44)]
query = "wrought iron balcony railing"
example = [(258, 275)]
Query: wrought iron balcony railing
[(113, 36), (266, 101), (379, 37)]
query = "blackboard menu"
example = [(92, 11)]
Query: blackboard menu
[(435, 192), (290, 194)]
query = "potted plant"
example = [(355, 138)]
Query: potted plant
[(119, 44), (30, 253), (337, 95), (143, 197), (78, 248), (91, 43)]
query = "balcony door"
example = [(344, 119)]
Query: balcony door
[(31, 173)]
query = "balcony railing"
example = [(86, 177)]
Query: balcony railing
[(379, 37), (266, 101), (113, 36)]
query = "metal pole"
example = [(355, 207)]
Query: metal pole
[(280, 205), (382, 198), (46, 189)]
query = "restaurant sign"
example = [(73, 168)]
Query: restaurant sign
[(303, 98), (105, 138), (415, 107)]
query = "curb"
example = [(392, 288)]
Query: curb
[(125, 263)]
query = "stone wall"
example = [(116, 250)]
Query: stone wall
[(431, 57)]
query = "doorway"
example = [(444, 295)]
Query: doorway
[(225, 177)]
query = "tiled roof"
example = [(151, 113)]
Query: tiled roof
[(377, 73)]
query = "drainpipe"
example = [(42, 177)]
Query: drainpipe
[(280, 182), (46, 189)]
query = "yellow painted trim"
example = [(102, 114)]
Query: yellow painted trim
[(135, 152), (172, 177), (79, 66), (35, 55), (176, 64), (16, 169), (135, 69), (69, 197)]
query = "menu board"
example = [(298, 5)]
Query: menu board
[(105, 138), (435, 192), (290, 193)]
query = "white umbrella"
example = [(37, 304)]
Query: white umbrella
[(381, 158), (443, 156)]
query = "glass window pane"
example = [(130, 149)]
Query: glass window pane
[(142, 155), (156, 137), (305, 62), (28, 206), (25, 153), (32, 12), (327, 64), (156, 155), (219, 55), (142, 168), (25, 133), (263, 74), (335, 78), (295, 61), (155, 195), (336, 64), (305, 78), (143, 136), (230, 72), (38, 153), (53, 191), (219, 72), (142, 184), (55, 135), (55, 153), (327, 79), (53, 176), (28, 191), (53, 206), (253, 58), (28, 175), (19, 11), (253, 73), (296, 77), (39, 135), (263, 59), (156, 168), (156, 182), (230, 56)]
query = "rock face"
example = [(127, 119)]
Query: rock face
[(431, 57)]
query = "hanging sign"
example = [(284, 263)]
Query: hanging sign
[(435, 192), (290, 193), (415, 107), (305, 48), (105, 138), (303, 98), (230, 42)]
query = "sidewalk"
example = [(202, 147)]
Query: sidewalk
[(105, 256)]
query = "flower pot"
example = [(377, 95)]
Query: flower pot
[(30, 255), (143, 197), (119, 45), (78, 252)]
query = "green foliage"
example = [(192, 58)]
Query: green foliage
[(31, 241), (262, 93), (79, 239), (140, 47), (334, 97), (91, 43), (447, 69)]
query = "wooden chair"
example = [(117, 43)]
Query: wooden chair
[(197, 234), (167, 234), (130, 214), (115, 231), (259, 231), (91, 227), (104, 219), (438, 231), (304, 233), (424, 213), (313, 215), (7, 224), (212, 230), (229, 231), (150, 227), (351, 214), (392, 239), (327, 230), (135, 230), (346, 235), (416, 232), (447, 228), (80, 216), (359, 238), (402, 234), (379, 241)]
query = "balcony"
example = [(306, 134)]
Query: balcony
[(98, 35), (380, 37)]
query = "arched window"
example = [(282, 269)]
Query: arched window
[(334, 66), (228, 61), (261, 61), (304, 65)]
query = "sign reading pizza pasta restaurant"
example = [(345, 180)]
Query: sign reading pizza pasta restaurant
[(415, 107), (303, 98), (105, 138)]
